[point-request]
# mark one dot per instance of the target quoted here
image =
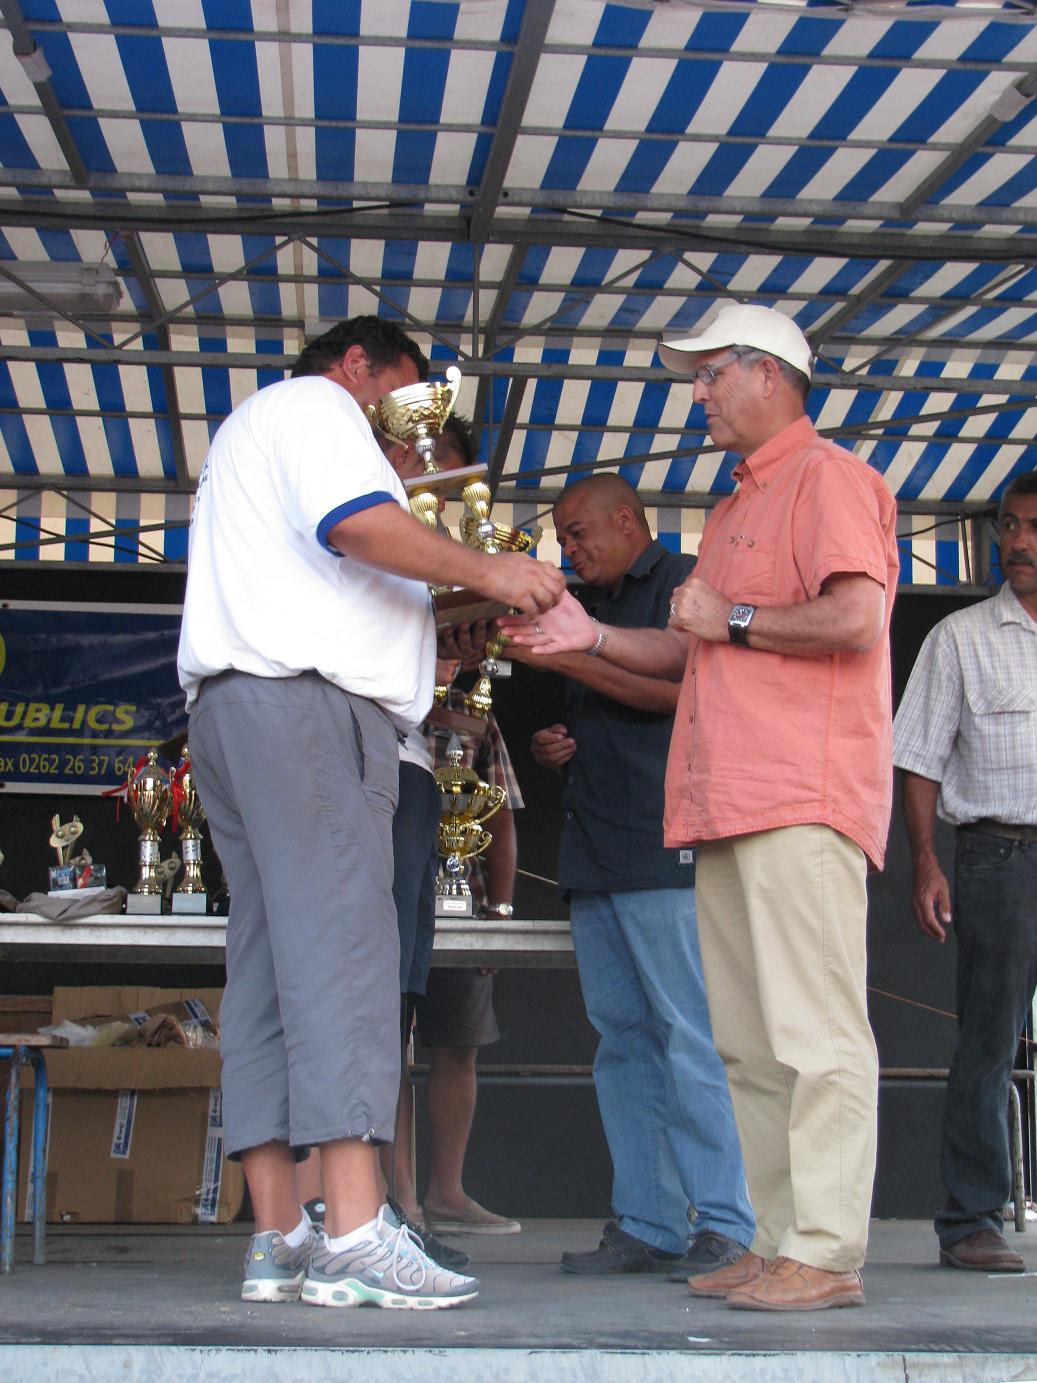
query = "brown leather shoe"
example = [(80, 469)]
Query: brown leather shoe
[(791, 1286), (736, 1274), (986, 1251)]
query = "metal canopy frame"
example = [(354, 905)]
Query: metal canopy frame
[(498, 258)]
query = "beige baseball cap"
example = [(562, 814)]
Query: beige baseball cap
[(763, 328)]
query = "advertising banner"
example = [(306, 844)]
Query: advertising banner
[(85, 690)]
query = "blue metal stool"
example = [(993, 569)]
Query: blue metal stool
[(25, 1050)]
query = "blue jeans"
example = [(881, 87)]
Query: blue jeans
[(661, 1087), (995, 919)]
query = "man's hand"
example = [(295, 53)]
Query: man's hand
[(699, 609), (466, 644), (567, 628), (931, 900), (522, 581), (552, 747)]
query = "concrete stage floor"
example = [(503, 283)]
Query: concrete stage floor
[(156, 1303)]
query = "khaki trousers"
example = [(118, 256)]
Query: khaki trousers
[(782, 918)]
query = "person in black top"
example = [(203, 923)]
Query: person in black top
[(661, 1087)]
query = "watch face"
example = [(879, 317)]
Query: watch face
[(741, 615)]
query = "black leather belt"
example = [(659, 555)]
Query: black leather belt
[(1026, 834)]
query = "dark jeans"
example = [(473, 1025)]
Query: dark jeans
[(995, 918)]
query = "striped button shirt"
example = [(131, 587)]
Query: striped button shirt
[(968, 719)]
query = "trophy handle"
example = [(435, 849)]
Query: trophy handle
[(453, 379), (496, 800)]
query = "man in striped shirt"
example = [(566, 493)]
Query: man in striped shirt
[(965, 737)]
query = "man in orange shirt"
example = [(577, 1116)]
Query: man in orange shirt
[(780, 773)]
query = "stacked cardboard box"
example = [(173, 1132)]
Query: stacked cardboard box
[(136, 1133)]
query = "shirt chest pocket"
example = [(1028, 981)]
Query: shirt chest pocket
[(749, 571), (1005, 721)]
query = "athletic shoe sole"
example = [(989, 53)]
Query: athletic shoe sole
[(272, 1289), (350, 1291)]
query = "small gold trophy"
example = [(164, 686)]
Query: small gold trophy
[(467, 803), (188, 815), (150, 795), (479, 530)]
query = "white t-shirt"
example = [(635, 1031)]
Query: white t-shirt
[(265, 594)]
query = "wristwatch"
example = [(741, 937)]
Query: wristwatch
[(499, 910), (738, 622)]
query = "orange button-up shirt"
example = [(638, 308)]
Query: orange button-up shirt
[(763, 740)]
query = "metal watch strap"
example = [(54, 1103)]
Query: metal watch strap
[(601, 640)]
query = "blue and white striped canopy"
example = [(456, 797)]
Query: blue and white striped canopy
[(539, 191)]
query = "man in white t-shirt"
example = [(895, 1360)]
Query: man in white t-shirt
[(307, 649)]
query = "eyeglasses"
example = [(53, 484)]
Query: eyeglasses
[(707, 374)]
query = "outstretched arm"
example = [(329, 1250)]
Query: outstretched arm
[(567, 628), (386, 537)]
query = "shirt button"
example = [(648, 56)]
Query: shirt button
[(569, 816), (569, 780), (752, 542)]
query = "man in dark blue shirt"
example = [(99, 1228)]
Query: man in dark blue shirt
[(661, 1087)]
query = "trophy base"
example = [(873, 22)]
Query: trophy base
[(444, 721), (144, 904), (445, 482), (455, 907), (464, 606), (191, 904)]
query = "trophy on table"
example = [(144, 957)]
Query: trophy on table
[(188, 815), (479, 530), (150, 795), (467, 803)]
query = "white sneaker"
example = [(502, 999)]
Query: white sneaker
[(389, 1268)]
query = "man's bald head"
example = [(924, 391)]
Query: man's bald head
[(601, 527), (608, 491)]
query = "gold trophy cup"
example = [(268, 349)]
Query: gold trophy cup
[(479, 530), (188, 815), (416, 413), (150, 795), (467, 803)]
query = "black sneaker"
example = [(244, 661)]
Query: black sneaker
[(434, 1248), (314, 1211), (707, 1251), (619, 1252)]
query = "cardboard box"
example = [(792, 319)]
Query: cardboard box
[(24, 1012), (136, 1133)]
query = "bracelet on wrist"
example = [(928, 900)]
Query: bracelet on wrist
[(601, 641)]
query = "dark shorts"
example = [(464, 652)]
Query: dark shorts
[(415, 862), (456, 1010)]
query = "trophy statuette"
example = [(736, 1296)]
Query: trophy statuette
[(150, 796), (479, 530), (188, 815), (467, 803)]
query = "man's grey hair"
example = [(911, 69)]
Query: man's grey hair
[(796, 378)]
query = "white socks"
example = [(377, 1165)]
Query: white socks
[(355, 1237), (299, 1234)]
